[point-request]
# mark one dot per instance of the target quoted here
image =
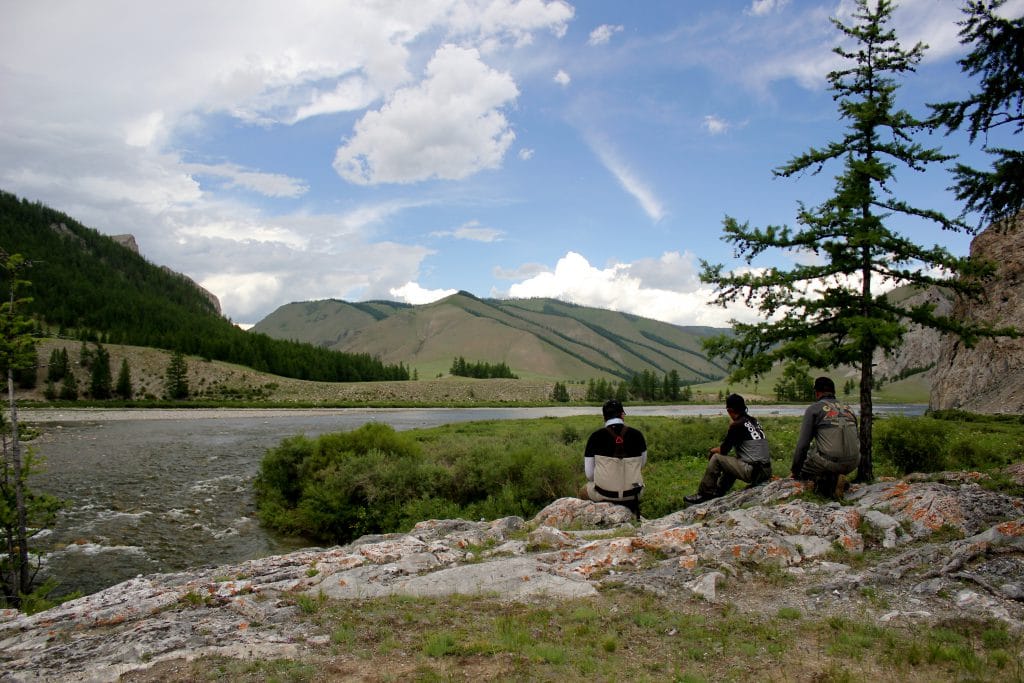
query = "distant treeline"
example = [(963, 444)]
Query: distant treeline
[(481, 370), (86, 286), (644, 386)]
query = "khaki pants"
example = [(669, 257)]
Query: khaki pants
[(723, 471), (588, 493)]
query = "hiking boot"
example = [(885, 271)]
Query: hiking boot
[(840, 489), (825, 486), (697, 499)]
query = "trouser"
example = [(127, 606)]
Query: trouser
[(631, 503), (723, 471), (824, 473)]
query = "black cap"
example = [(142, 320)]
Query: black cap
[(612, 408), (736, 404)]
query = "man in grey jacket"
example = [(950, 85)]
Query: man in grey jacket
[(828, 446), (752, 462)]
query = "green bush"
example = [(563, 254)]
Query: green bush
[(339, 487), (912, 445)]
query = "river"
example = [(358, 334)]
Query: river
[(164, 490)]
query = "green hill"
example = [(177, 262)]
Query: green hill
[(537, 338), (88, 286)]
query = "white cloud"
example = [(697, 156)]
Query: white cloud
[(603, 33), (472, 231), (525, 154), (243, 231), (629, 181), (350, 94), (716, 125), (449, 126), (266, 184), (762, 7), (513, 20), (643, 289), (412, 293), (562, 78)]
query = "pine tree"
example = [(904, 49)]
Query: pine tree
[(69, 388), (124, 381), (796, 383), (176, 386), (58, 365), (997, 59), (829, 312), (23, 513), (100, 383)]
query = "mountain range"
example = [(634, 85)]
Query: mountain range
[(537, 338)]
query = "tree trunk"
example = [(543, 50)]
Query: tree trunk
[(24, 575), (865, 471)]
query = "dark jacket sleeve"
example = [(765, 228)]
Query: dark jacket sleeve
[(803, 442), (732, 437)]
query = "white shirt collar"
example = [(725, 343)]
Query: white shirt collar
[(614, 421)]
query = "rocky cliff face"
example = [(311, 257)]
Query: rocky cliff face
[(714, 552), (920, 345), (128, 242), (988, 378)]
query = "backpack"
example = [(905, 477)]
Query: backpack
[(847, 446)]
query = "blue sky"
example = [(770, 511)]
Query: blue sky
[(407, 149)]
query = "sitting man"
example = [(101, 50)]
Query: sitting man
[(751, 463), (835, 451), (613, 460)]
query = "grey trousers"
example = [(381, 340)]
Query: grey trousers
[(722, 472)]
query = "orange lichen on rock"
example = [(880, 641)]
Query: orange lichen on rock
[(688, 561), (1012, 528), (670, 541)]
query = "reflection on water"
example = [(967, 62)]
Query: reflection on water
[(151, 492)]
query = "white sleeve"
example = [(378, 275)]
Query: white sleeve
[(588, 468)]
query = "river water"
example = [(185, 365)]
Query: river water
[(165, 490)]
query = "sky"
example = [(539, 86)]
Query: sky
[(407, 149)]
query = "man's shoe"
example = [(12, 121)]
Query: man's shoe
[(840, 489), (696, 499)]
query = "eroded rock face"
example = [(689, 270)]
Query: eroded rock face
[(988, 378), (569, 550), (920, 345)]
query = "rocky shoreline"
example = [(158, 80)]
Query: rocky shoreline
[(946, 547)]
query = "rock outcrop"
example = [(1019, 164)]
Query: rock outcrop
[(920, 345), (988, 378), (150, 619)]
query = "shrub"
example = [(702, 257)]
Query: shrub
[(912, 445)]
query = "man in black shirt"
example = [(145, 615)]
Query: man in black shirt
[(752, 462), (613, 461)]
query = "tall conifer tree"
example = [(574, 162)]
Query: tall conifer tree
[(830, 311), (176, 386), (997, 60)]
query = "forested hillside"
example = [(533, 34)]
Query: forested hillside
[(86, 285), (542, 338)]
